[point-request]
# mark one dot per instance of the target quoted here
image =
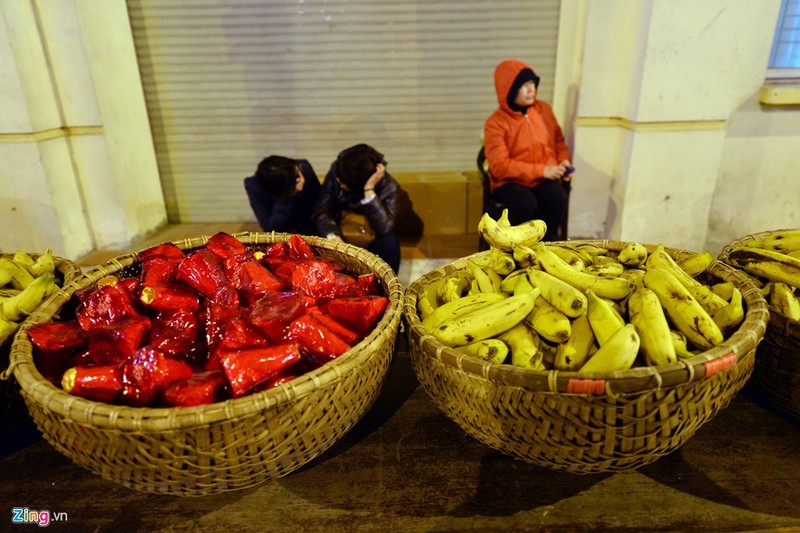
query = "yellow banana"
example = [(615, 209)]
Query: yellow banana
[(592, 249), (612, 288), (679, 341), (523, 284), (495, 279), (489, 350), (489, 321), (428, 298), (723, 289), (459, 307), (684, 312), (501, 262), (774, 266), (503, 220), (633, 254), (524, 344), (634, 275), (785, 241), (560, 294), (570, 256), (18, 276), (23, 259), (572, 354), (550, 323), (603, 318), (583, 255), (732, 314), (524, 256), (696, 264), (481, 277), (608, 269), (43, 264), (507, 237), (783, 300), (619, 353), (7, 329), (454, 286), (28, 299), (660, 258), (647, 316), (795, 254), (710, 301), (509, 283)]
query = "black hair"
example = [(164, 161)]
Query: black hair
[(356, 164), (525, 75), (278, 176)]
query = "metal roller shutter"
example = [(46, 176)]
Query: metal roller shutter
[(230, 82)]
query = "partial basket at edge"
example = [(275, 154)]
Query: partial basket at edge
[(578, 423), (194, 451), (13, 414), (777, 368)]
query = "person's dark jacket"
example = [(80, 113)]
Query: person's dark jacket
[(295, 215), (381, 210)]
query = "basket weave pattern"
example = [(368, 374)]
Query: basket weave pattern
[(567, 421), (777, 368), (238, 443)]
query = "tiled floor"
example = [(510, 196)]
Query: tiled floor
[(419, 256)]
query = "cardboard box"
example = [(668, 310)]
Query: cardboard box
[(438, 198), (474, 199)]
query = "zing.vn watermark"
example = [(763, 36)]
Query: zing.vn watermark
[(25, 515)]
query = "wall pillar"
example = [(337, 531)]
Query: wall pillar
[(659, 80)]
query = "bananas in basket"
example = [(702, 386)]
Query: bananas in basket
[(25, 283), (578, 306), (773, 261)]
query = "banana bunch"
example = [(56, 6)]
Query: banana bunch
[(774, 261), (25, 283), (578, 306)]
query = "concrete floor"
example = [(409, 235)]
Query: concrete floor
[(406, 467)]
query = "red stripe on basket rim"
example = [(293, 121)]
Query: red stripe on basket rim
[(719, 364), (586, 386)]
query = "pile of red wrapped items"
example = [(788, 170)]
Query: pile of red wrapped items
[(200, 326)]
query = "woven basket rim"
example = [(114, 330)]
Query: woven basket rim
[(740, 344), (776, 320), (97, 414)]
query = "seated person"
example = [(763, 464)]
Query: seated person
[(528, 157), (357, 181), (283, 194)]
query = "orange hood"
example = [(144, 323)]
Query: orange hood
[(504, 75)]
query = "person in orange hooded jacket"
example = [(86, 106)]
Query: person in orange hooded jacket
[(525, 148)]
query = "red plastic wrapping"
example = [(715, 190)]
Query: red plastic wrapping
[(55, 344), (147, 373), (316, 338), (299, 248), (273, 312), (103, 305), (168, 297), (226, 245), (175, 331), (202, 270), (98, 383), (360, 313), (249, 368), (158, 271), (112, 343), (200, 389)]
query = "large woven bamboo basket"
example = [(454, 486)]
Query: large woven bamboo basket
[(13, 413), (568, 421), (238, 443), (776, 374)]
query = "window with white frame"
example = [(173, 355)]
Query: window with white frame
[(784, 60)]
